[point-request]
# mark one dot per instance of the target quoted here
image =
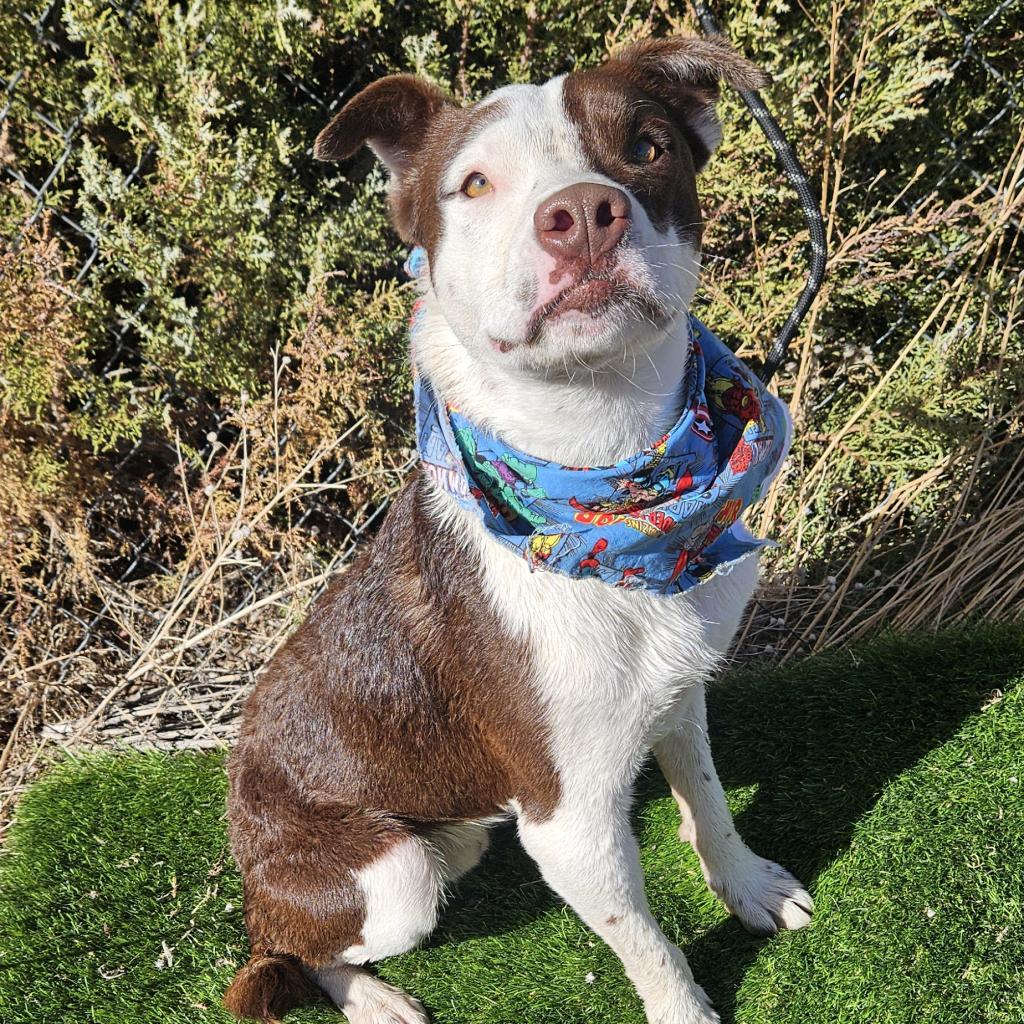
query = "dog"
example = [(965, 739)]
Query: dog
[(452, 678)]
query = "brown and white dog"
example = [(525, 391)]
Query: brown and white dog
[(440, 685)]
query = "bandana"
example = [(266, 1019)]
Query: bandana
[(663, 520)]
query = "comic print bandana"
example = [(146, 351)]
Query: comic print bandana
[(663, 520)]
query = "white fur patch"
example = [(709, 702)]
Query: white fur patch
[(709, 128), (401, 893), (610, 665)]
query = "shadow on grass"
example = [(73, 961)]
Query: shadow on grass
[(819, 741)]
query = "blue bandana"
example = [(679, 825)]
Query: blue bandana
[(664, 519)]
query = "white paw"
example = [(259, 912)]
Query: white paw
[(764, 896), (379, 1003), (693, 1007), (682, 1001), (704, 1011)]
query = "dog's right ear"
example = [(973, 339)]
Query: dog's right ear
[(391, 117), (684, 72)]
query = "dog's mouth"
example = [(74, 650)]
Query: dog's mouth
[(594, 294)]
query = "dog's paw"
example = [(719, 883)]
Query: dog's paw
[(379, 1003), (705, 1011), (765, 897), (679, 999), (687, 1004)]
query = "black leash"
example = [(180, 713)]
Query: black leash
[(808, 201)]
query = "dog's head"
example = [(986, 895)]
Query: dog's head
[(559, 220)]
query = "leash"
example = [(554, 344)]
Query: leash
[(808, 201)]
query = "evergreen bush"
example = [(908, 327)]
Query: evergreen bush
[(204, 312)]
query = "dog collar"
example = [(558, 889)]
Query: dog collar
[(664, 519)]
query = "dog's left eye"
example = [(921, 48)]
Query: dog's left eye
[(645, 151), (476, 185)]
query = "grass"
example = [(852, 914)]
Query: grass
[(889, 776)]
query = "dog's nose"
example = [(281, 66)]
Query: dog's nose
[(583, 220)]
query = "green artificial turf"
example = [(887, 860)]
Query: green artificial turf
[(890, 777)]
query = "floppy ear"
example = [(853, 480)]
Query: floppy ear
[(390, 116), (683, 73)]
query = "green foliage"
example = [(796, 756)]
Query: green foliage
[(187, 131), (229, 218), (886, 776)]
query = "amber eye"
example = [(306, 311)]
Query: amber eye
[(644, 151), (476, 185)]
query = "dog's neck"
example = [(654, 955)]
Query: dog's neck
[(582, 417)]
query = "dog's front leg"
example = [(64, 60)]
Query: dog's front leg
[(589, 856), (764, 896)]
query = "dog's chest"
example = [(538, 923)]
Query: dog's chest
[(609, 665)]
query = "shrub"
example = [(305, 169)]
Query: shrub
[(203, 393)]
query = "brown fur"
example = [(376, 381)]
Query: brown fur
[(416, 130), (416, 198), (401, 702), (266, 988), (391, 115), (659, 88), (702, 62), (683, 74), (612, 112)]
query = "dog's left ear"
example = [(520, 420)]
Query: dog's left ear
[(683, 73), (391, 116)]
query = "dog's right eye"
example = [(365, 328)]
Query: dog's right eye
[(644, 151), (476, 185)]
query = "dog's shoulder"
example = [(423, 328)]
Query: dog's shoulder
[(403, 686)]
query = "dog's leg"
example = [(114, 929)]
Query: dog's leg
[(764, 896), (365, 999), (588, 855), (401, 891), (321, 900)]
